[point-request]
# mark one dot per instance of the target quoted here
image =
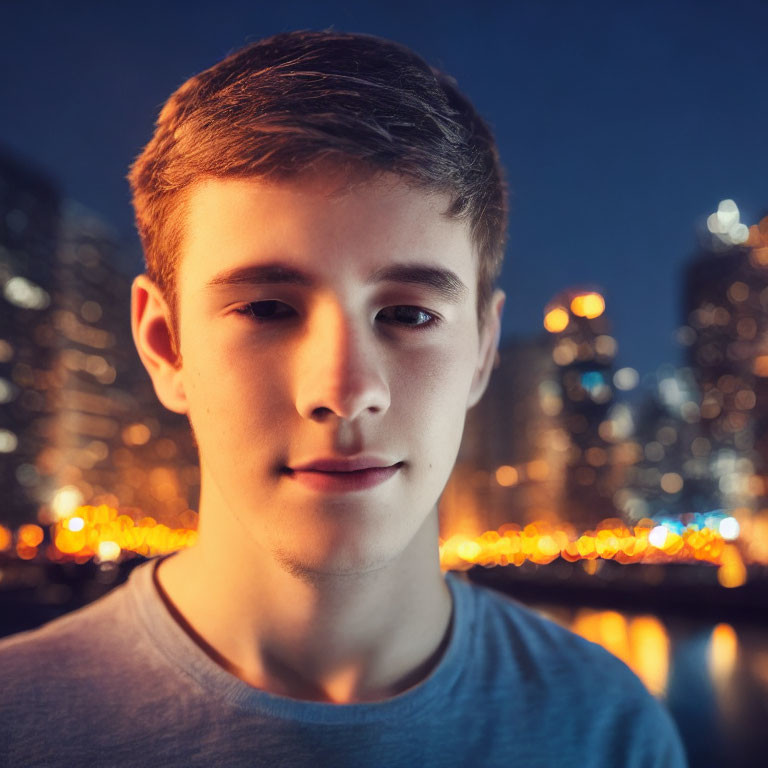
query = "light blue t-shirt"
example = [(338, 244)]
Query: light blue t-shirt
[(121, 683)]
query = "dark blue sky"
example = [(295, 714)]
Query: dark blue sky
[(621, 125)]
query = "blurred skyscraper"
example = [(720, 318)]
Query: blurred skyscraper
[(547, 441), (726, 332), (29, 220), (512, 456), (79, 421), (111, 440), (670, 476), (584, 351)]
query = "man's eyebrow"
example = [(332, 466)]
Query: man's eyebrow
[(261, 274), (443, 281)]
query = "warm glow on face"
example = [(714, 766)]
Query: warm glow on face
[(331, 320), (556, 320), (589, 305)]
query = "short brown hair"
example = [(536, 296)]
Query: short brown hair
[(281, 105)]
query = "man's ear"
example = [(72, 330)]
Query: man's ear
[(489, 345), (151, 327)]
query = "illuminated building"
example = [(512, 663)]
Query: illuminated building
[(583, 351), (544, 442), (726, 332), (670, 478), (79, 420), (29, 214), (111, 439), (511, 460)]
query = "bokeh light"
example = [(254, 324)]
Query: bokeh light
[(556, 319), (589, 305)]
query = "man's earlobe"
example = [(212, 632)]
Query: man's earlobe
[(489, 346), (153, 336)]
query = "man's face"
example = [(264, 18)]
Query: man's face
[(300, 341)]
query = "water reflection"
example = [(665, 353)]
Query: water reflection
[(712, 678)]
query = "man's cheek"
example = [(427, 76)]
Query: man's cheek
[(243, 412), (441, 383)]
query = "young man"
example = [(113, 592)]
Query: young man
[(323, 218)]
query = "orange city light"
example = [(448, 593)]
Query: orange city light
[(589, 305), (6, 538), (760, 366), (542, 542), (105, 533), (556, 320), (30, 535), (506, 476)]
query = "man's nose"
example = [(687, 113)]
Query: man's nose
[(340, 369)]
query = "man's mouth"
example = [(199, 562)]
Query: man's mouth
[(341, 480)]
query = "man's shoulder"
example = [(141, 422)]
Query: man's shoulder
[(71, 687), (67, 649), (544, 652), (548, 674)]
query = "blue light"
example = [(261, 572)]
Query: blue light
[(592, 381)]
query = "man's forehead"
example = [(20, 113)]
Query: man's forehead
[(325, 185), (235, 228)]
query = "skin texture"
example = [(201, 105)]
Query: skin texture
[(333, 596)]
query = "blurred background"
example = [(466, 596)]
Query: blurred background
[(615, 476)]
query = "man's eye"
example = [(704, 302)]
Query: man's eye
[(264, 311), (273, 310), (412, 317)]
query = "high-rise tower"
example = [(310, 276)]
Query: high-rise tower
[(29, 221), (584, 351), (726, 331)]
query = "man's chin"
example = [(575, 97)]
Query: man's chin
[(320, 566), (335, 543)]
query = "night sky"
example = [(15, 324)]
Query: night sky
[(621, 125)]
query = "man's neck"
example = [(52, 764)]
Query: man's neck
[(329, 637)]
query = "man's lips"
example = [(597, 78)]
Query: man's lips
[(352, 464), (318, 476)]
